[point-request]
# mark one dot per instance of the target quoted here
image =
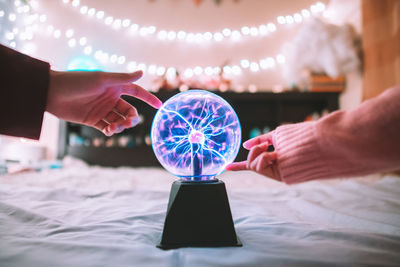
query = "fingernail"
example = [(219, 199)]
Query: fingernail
[(159, 105), (245, 144), (135, 121), (119, 129)]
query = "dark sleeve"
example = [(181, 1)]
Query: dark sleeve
[(24, 82)]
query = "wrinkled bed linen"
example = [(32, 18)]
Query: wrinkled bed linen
[(94, 216)]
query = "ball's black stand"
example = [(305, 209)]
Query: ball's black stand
[(198, 215)]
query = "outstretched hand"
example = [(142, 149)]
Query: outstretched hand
[(259, 159), (94, 99)]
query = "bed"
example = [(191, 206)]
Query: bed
[(84, 215)]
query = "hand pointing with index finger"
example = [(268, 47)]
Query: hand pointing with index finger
[(94, 98), (259, 159)]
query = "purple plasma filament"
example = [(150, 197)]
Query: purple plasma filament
[(195, 135)]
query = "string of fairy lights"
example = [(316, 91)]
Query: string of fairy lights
[(34, 22), (195, 37)]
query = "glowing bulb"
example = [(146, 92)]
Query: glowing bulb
[(314, 8), (216, 70), (109, 20), (160, 71), (117, 24), (65, 1), (236, 35), (254, 67), (121, 60), (162, 35), (281, 20), (91, 12), (69, 33), (263, 29), (98, 54), (104, 58), (207, 36), (82, 41), (188, 73), (152, 69), (227, 32), (134, 27), (72, 42), (1, 13), (171, 35), (100, 14), (9, 35), (87, 50), (297, 18), (83, 10), (218, 36), (236, 70), (245, 63), (253, 31), (289, 19), (13, 44), (151, 29), (181, 35), (143, 31), (245, 30), (270, 62), (190, 37), (75, 3), (263, 64), (126, 23), (317, 7), (12, 17), (113, 58), (208, 71), (305, 13), (171, 73), (227, 70), (271, 27), (57, 34), (198, 70)]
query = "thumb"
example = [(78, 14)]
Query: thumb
[(115, 78)]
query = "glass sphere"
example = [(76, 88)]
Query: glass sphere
[(195, 134)]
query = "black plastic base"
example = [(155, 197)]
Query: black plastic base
[(198, 215)]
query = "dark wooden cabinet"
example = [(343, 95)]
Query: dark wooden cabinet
[(257, 112)]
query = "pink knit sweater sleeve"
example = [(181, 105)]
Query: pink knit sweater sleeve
[(345, 143)]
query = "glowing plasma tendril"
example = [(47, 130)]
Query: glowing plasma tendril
[(195, 134)]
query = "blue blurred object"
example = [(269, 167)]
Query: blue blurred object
[(83, 63), (254, 133)]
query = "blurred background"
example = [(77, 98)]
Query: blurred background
[(298, 57)]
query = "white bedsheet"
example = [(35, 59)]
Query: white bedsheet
[(92, 216)]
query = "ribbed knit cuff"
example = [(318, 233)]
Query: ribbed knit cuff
[(299, 155)]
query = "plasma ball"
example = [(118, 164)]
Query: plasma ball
[(195, 134)]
